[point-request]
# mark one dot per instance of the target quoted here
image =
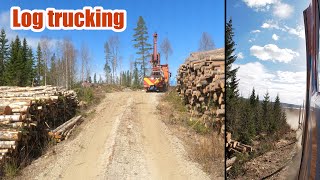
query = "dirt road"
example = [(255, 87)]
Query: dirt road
[(125, 139)]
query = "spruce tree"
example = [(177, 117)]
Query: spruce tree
[(141, 44), (252, 98), (232, 92), (40, 66), (31, 67), (246, 128), (231, 77), (136, 81), (275, 122), (15, 65), (265, 112), (4, 50), (53, 70)]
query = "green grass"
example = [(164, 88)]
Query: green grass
[(10, 169), (173, 98)]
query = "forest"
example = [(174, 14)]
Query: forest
[(249, 118)]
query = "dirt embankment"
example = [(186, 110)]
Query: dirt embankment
[(123, 139)]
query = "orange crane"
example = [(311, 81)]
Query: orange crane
[(158, 81)]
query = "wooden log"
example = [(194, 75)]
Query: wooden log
[(10, 118), (10, 135), (231, 161), (5, 110), (66, 125)]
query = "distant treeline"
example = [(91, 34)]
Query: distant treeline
[(19, 66), (248, 118)]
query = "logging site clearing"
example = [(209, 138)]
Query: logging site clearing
[(123, 137)]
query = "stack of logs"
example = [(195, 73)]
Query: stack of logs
[(28, 113), (201, 84), (233, 146)]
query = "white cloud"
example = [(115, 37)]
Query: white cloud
[(298, 31), (240, 55), (273, 52), (275, 37), (282, 10), (259, 4), (289, 85), (255, 31), (270, 25), (5, 18)]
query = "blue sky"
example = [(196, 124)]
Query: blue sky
[(270, 46), (181, 21)]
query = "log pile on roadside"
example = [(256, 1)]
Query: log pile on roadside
[(233, 146), (27, 114), (201, 84)]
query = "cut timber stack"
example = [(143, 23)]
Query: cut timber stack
[(28, 113), (201, 84), (233, 146)]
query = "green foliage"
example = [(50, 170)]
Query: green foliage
[(85, 94), (231, 77), (136, 80), (4, 50), (39, 66), (249, 118), (232, 92), (140, 38), (10, 169), (173, 98)]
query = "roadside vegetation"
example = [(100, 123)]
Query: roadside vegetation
[(203, 144)]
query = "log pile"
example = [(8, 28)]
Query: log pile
[(233, 146), (201, 84), (28, 113)]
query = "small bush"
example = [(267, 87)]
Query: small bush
[(85, 94)]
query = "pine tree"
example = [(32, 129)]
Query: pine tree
[(141, 44), (4, 48)]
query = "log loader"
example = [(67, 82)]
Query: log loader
[(158, 81)]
